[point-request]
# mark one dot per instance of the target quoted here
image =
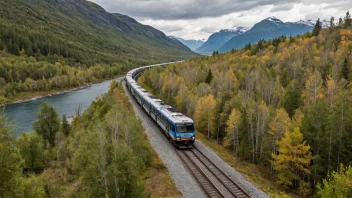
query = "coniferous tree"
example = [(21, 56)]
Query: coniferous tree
[(317, 28), (345, 70), (209, 77), (332, 22), (65, 126), (292, 162), (247, 46), (340, 21), (348, 20)]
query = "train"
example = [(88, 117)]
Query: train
[(178, 128)]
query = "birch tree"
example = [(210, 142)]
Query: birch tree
[(232, 133), (205, 113)]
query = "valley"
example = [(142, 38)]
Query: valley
[(128, 99)]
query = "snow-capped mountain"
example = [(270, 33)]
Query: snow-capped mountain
[(191, 44), (268, 28), (274, 20), (217, 39), (311, 22), (235, 30)]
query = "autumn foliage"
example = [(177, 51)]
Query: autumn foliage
[(284, 94)]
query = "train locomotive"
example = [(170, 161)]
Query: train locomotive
[(176, 126)]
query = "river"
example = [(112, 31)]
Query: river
[(24, 114)]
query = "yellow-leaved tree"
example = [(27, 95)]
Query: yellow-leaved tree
[(292, 162), (204, 113), (232, 135), (314, 88), (278, 126)]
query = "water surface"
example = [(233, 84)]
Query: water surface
[(24, 114)]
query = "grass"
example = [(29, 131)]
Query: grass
[(254, 173), (158, 182)]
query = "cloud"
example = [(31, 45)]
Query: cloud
[(283, 7), (183, 9), (198, 19)]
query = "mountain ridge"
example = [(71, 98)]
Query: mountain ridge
[(191, 44), (268, 28), (217, 39), (87, 28)]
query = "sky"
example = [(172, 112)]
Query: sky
[(198, 19)]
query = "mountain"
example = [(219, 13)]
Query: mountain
[(218, 39), (82, 31), (311, 22), (191, 44), (266, 29)]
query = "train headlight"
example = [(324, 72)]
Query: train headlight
[(178, 139), (193, 138)]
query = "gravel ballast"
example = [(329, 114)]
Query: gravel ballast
[(237, 177), (184, 181)]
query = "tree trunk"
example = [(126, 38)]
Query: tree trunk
[(341, 128), (257, 133), (208, 124)]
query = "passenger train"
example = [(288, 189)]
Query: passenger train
[(177, 127)]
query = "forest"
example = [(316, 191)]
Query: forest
[(49, 46), (283, 104), (103, 153), (22, 74)]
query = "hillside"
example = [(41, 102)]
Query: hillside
[(283, 105), (218, 39), (191, 44), (53, 45), (82, 32), (266, 29)]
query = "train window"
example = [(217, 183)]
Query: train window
[(172, 127), (184, 128)]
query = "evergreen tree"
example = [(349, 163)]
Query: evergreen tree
[(348, 20), (345, 71), (340, 21), (65, 126), (247, 46), (47, 123), (332, 22), (292, 99), (209, 77), (317, 28)]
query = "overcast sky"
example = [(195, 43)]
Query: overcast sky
[(198, 19)]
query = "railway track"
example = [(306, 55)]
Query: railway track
[(210, 176), (207, 185)]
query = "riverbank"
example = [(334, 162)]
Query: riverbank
[(30, 96)]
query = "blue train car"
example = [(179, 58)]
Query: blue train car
[(176, 126)]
